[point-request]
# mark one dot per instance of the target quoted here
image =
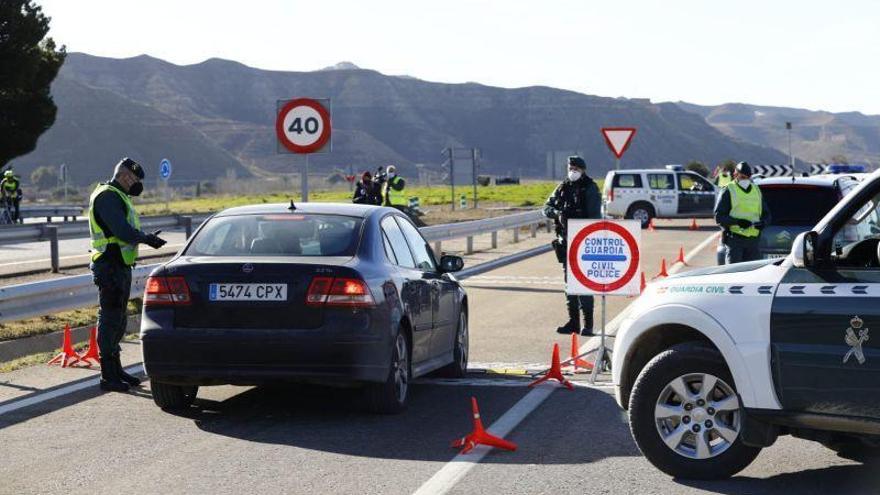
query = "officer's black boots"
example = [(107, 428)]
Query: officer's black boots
[(110, 379), (570, 327), (131, 380)]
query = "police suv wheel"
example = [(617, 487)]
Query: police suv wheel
[(686, 416), (642, 212), (389, 397)]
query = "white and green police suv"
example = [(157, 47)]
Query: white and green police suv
[(714, 364)]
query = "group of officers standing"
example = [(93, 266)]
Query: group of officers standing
[(740, 211), (115, 231)]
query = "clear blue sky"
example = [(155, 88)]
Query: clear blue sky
[(809, 54)]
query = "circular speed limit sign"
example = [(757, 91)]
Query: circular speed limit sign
[(303, 125)]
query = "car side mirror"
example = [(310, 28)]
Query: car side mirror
[(803, 250), (450, 263)]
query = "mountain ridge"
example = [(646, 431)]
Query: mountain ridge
[(378, 119)]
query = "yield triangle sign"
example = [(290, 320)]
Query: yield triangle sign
[(618, 138)]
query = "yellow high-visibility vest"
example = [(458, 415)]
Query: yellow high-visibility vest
[(395, 197), (745, 206), (99, 240)]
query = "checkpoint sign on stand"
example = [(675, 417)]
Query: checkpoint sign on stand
[(302, 125), (603, 257), (165, 169)]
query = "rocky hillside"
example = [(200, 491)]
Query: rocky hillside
[(218, 115)]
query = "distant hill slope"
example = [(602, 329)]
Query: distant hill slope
[(816, 136), (229, 108)]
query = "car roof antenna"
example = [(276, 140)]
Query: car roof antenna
[(292, 206)]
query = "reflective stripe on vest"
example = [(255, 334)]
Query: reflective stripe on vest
[(395, 197), (745, 206), (99, 241)]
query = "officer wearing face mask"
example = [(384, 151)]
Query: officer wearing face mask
[(115, 232), (742, 212), (576, 197)]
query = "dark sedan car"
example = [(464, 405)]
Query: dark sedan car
[(316, 292)]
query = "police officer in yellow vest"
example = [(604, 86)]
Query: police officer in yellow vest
[(743, 213), (723, 178), (394, 195), (115, 231), (10, 191)]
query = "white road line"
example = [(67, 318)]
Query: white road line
[(450, 474), (31, 400)]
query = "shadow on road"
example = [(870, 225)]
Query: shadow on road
[(329, 421), (506, 288), (848, 479)]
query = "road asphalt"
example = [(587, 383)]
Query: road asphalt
[(312, 440)]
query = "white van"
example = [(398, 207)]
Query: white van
[(643, 194)]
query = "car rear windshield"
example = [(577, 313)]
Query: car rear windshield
[(280, 234), (799, 204)]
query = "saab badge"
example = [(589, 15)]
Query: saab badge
[(854, 342), (783, 237)]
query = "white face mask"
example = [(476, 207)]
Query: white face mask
[(391, 175), (573, 175), (744, 183)]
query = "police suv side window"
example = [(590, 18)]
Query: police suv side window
[(398, 242), (424, 260), (660, 181), (625, 181)]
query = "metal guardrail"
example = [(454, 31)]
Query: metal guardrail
[(51, 211), (71, 230), (62, 294)]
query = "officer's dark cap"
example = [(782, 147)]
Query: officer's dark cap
[(744, 168), (577, 161), (133, 166)]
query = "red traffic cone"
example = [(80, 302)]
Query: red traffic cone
[(651, 225), (67, 356), (575, 360), (555, 371), (480, 435), (92, 353), (662, 269), (681, 256), (694, 224), (643, 284)]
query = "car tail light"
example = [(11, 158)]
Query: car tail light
[(346, 292), (611, 194), (167, 291)]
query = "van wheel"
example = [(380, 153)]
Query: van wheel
[(173, 397), (643, 212), (686, 416)]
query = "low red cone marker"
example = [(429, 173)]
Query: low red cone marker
[(67, 356), (694, 224), (681, 256), (91, 356), (480, 435), (575, 360), (555, 371), (663, 272)]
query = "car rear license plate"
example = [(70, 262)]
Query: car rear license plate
[(247, 292), (774, 256)]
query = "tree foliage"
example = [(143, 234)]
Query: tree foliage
[(44, 177), (29, 62), (698, 167)]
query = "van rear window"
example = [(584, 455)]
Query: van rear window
[(627, 181), (786, 203)]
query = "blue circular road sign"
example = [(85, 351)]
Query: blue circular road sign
[(165, 169)]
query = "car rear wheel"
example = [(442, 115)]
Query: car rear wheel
[(173, 397), (390, 396), (643, 212), (686, 417), (458, 367)]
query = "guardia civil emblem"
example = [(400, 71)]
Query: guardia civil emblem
[(855, 341)]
